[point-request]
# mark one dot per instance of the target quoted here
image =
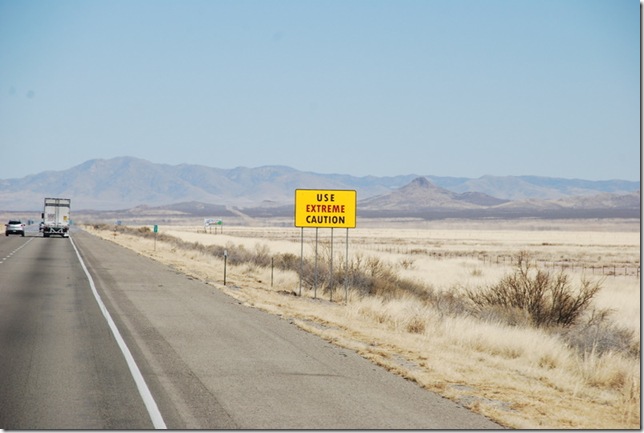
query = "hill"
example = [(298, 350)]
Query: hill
[(126, 182), (420, 193), (423, 199)]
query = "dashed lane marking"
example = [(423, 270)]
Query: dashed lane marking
[(2, 260)]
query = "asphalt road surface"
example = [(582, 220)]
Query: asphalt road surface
[(205, 361)]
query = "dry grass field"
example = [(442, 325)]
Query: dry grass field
[(520, 376)]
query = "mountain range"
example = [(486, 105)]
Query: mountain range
[(126, 182)]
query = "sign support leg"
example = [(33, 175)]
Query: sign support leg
[(346, 273), (301, 257), (315, 272), (331, 271)]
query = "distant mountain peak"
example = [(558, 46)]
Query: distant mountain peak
[(421, 182), (421, 193)]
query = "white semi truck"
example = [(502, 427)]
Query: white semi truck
[(55, 217)]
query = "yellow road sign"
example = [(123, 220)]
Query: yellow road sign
[(325, 208)]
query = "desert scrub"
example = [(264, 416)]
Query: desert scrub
[(367, 275), (600, 335), (531, 297), (548, 299), (527, 298), (572, 376)]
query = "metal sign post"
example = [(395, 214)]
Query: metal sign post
[(301, 258), (346, 271), (331, 271), (315, 271)]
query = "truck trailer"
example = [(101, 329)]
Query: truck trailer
[(55, 217)]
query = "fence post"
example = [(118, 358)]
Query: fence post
[(225, 260)]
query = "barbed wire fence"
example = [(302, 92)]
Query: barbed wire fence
[(491, 259)]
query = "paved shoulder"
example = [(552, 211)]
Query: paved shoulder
[(213, 363)]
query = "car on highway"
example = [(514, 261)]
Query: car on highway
[(14, 227)]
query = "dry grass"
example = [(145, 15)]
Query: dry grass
[(521, 377)]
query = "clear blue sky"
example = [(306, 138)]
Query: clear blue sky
[(361, 87)]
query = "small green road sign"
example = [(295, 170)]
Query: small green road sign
[(156, 228)]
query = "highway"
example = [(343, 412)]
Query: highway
[(59, 365), (203, 360)]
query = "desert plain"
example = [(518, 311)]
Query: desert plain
[(519, 376)]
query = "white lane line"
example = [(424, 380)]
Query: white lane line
[(144, 391), (2, 260)]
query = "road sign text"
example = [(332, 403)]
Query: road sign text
[(334, 209)]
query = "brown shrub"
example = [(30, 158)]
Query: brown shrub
[(548, 299)]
